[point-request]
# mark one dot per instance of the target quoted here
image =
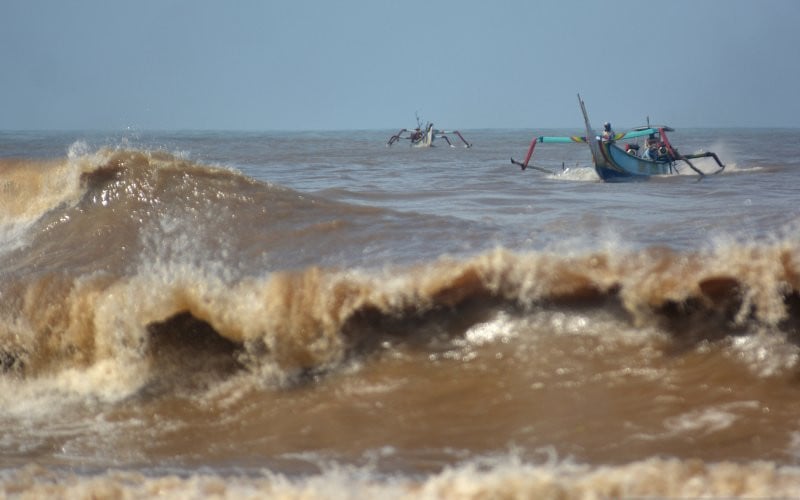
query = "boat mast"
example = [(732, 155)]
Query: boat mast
[(591, 138)]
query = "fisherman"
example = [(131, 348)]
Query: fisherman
[(608, 133), (650, 147)]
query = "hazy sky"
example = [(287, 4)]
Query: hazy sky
[(373, 64)]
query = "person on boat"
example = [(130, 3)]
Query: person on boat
[(608, 132), (650, 148)]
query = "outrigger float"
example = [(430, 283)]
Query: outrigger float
[(614, 163), (424, 137)]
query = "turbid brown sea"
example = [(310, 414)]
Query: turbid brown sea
[(318, 315)]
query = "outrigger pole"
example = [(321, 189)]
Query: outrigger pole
[(558, 140), (395, 137), (685, 158), (677, 155), (443, 136), (525, 165)]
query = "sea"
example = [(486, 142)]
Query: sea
[(314, 314)]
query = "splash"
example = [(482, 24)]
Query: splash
[(577, 173)]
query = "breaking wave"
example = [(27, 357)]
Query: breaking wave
[(124, 251)]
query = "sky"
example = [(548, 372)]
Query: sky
[(376, 64)]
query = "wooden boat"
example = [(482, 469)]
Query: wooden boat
[(424, 137), (616, 162)]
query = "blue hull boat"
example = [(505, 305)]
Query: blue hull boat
[(614, 163)]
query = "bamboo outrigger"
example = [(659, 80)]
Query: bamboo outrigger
[(615, 163)]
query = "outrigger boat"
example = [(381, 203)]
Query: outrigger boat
[(615, 163), (424, 137)]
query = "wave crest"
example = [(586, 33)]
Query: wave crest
[(314, 319)]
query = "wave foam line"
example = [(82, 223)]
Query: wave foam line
[(661, 478)]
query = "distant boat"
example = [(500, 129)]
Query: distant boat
[(615, 161), (424, 137)]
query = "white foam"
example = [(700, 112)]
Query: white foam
[(502, 478), (708, 420), (576, 173), (500, 328)]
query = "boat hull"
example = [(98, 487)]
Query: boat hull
[(425, 140), (617, 165)]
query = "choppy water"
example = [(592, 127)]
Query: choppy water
[(292, 314)]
